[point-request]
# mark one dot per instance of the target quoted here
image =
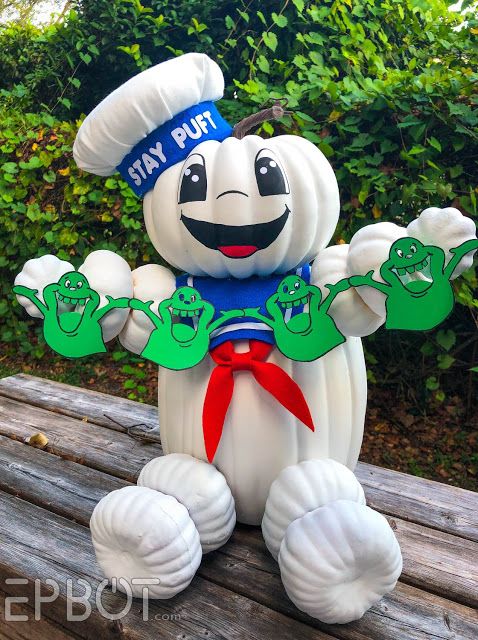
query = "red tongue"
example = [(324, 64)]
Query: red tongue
[(238, 251)]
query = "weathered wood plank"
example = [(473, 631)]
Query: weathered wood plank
[(37, 544), (420, 500), (79, 403), (429, 503), (110, 451), (29, 629), (435, 561)]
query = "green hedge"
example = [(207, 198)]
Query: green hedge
[(386, 88)]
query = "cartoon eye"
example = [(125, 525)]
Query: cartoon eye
[(193, 298), (271, 179), (181, 296), (399, 253), (194, 181), (285, 288), (79, 284), (67, 283), (413, 248)]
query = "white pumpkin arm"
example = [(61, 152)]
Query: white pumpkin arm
[(351, 314), (446, 228), (110, 276), (150, 282)]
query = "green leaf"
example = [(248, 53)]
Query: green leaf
[(432, 383), (270, 40), (10, 167), (434, 143), (279, 20), (446, 339), (263, 64), (229, 22), (299, 5), (445, 361)]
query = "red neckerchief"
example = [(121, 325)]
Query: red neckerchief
[(221, 386)]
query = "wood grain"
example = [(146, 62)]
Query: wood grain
[(39, 544), (29, 629), (426, 502), (109, 451), (433, 560)]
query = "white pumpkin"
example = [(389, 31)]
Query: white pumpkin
[(107, 273), (302, 488), (37, 274), (339, 560), (350, 313), (142, 534), (201, 488), (244, 207), (368, 250), (445, 228)]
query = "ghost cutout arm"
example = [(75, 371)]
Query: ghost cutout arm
[(350, 313), (458, 254), (30, 294), (152, 284)]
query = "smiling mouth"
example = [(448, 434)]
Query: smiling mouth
[(295, 303), (415, 287), (236, 241), (66, 300)]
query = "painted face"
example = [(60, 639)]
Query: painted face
[(244, 207), (74, 288), (292, 292), (186, 302), (408, 255)]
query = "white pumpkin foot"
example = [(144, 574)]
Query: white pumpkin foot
[(339, 560), (142, 534), (201, 488), (304, 487)]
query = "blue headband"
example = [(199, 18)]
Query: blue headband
[(171, 143)]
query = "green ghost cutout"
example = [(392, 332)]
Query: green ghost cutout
[(178, 345), (420, 304), (76, 333), (309, 334)]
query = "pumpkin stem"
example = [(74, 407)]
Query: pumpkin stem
[(275, 112)]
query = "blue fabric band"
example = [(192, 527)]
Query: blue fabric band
[(171, 143)]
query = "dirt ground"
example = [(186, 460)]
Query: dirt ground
[(440, 443)]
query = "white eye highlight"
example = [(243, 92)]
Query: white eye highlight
[(399, 253), (263, 170), (194, 178)]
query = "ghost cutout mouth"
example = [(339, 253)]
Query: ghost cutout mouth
[(236, 241)]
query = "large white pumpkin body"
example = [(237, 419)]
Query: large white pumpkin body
[(260, 437)]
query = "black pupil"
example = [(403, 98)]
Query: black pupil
[(193, 184), (269, 177)]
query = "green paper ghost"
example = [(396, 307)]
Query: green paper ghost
[(309, 334), (178, 345), (416, 304), (76, 333)]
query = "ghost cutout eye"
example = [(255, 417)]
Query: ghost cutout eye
[(271, 179), (67, 283), (297, 285), (399, 253), (285, 288), (193, 298), (413, 248), (79, 284), (193, 180)]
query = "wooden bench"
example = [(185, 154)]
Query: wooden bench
[(47, 496)]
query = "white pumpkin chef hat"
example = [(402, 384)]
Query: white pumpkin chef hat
[(153, 121)]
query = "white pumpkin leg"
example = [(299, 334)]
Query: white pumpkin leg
[(339, 560), (144, 537), (304, 487), (201, 488)]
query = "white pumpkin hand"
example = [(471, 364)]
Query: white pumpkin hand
[(110, 276), (36, 275), (446, 228), (351, 314), (152, 284)]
